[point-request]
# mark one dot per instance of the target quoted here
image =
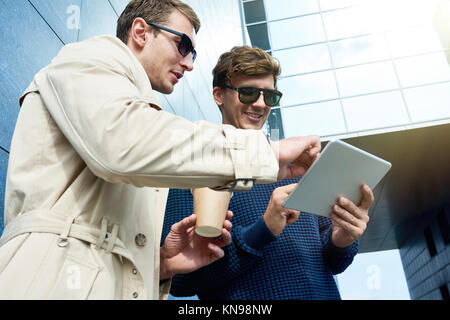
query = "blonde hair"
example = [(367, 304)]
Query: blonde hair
[(156, 11), (247, 61)]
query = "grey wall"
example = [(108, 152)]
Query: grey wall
[(33, 31)]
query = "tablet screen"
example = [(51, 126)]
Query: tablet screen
[(340, 170)]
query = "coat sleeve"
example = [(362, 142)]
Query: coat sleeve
[(124, 137)]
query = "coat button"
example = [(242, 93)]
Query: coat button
[(134, 271), (135, 295), (140, 239)]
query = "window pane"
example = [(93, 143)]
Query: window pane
[(303, 59), (254, 11), (388, 14), (413, 41), (366, 78), (430, 241), (373, 16), (258, 36), (375, 111), (296, 31), (278, 9), (423, 69), (320, 118), (429, 102), (359, 50), (335, 4), (346, 23), (308, 88)]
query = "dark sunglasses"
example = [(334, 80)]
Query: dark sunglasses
[(184, 46), (249, 95)]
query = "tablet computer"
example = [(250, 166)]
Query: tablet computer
[(340, 170)]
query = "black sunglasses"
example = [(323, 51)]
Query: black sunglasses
[(184, 46), (249, 95)]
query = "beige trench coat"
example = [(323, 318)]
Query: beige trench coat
[(91, 159)]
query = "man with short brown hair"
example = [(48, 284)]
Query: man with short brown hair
[(154, 11), (276, 253)]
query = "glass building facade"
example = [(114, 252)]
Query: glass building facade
[(351, 67)]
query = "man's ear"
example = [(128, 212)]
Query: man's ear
[(138, 33), (218, 96)]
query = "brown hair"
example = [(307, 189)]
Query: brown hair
[(156, 11), (247, 61)]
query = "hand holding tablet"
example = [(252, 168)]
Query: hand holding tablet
[(340, 170)]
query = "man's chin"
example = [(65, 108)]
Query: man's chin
[(250, 126), (165, 89)]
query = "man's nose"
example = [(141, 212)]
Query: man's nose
[(187, 63), (260, 102)]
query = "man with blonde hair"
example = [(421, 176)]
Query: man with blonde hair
[(92, 156), (276, 253)]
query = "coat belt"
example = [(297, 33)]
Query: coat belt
[(46, 221)]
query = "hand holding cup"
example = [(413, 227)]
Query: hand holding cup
[(210, 207)]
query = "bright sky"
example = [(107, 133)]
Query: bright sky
[(374, 276)]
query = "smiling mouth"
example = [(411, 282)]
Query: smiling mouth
[(177, 75), (254, 116)]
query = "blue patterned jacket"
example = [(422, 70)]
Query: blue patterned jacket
[(299, 264)]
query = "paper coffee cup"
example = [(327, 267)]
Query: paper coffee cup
[(211, 208)]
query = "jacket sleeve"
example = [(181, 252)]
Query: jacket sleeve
[(124, 137), (245, 250), (337, 259)]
